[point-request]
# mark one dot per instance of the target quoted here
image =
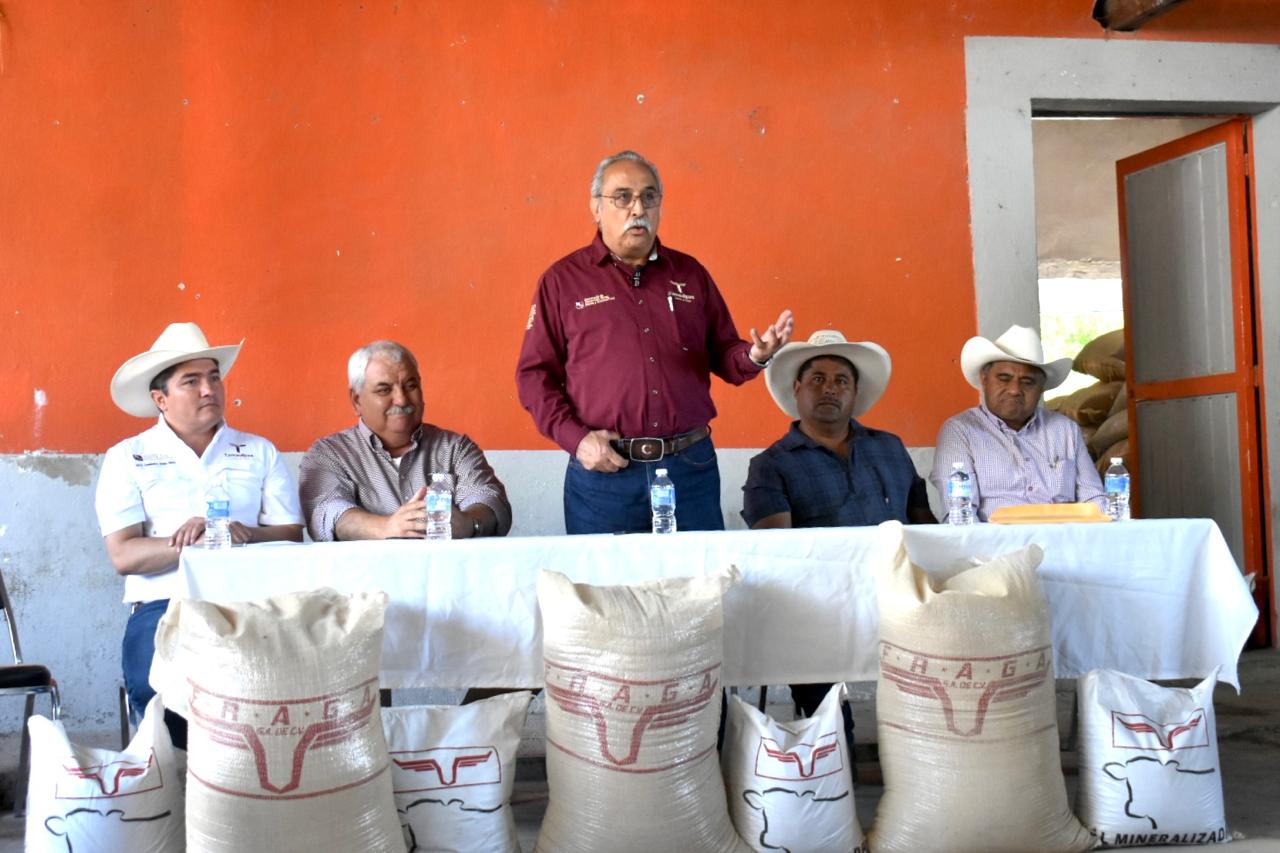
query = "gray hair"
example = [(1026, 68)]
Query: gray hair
[(358, 364), (597, 180)]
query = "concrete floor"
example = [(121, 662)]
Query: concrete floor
[(1248, 744)]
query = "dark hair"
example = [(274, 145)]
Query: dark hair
[(161, 380), (805, 366)]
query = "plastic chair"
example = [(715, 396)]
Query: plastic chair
[(24, 679)]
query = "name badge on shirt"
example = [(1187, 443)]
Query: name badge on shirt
[(149, 460)]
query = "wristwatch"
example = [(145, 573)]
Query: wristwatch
[(475, 526)]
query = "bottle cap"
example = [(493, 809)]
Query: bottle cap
[(957, 466), (1117, 460), (661, 472)]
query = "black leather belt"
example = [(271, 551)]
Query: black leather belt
[(653, 449)]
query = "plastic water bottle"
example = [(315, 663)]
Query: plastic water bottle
[(1116, 483), (959, 496), (439, 508), (662, 500), (217, 513)]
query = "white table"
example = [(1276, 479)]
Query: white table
[(1155, 599)]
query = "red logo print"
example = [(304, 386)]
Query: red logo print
[(102, 781), (445, 767), (280, 735), (1135, 731), (964, 688), (802, 761), (638, 708)]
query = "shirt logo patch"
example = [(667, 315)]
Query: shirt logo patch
[(598, 299), (148, 460), (533, 312), (239, 454), (680, 286)]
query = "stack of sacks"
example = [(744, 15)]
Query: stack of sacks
[(285, 748), (789, 784), (1100, 409), (633, 705), (452, 770), (1149, 771), (91, 800), (966, 713)]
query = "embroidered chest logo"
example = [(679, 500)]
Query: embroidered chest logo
[(533, 312), (239, 451), (679, 295), (598, 299)]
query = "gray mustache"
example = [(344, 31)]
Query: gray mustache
[(639, 222), (401, 410)]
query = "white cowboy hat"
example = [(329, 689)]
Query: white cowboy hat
[(871, 360), (131, 386), (1018, 344)]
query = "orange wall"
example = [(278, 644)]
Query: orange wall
[(311, 175)]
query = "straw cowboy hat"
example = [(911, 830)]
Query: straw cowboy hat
[(131, 386), (871, 360), (1018, 344)]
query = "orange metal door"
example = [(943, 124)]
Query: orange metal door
[(1193, 372)]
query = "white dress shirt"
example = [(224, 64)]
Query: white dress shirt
[(155, 479)]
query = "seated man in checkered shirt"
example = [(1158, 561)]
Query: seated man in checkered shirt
[(829, 470), (1015, 451), (370, 481)]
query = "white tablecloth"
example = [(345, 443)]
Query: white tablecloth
[(1155, 599)]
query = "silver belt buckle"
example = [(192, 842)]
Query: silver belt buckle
[(645, 443)]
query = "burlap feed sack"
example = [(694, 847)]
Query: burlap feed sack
[(1121, 402), (1113, 429), (452, 771), (965, 710), (1089, 406), (1149, 769), (789, 784), (1121, 449), (633, 705), (102, 801), (1103, 357), (285, 747)]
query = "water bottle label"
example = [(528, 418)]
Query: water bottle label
[(960, 490), (1117, 483), (662, 495), (442, 502), (218, 509)]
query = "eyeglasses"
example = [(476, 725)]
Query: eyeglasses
[(626, 198)]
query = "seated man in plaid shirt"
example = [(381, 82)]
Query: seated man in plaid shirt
[(829, 470)]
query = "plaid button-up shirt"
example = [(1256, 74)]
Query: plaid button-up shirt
[(352, 470), (1045, 462), (796, 474)]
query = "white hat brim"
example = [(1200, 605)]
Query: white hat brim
[(131, 386), (979, 352), (872, 361)]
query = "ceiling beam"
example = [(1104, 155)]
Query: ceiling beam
[(1128, 15)]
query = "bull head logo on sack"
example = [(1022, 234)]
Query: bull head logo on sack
[(445, 767), (281, 736), (964, 688), (627, 716)]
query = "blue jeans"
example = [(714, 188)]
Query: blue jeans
[(595, 502), (136, 652)]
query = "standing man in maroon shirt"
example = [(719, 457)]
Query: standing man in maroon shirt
[(622, 338)]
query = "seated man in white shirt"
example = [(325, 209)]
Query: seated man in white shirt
[(151, 493), (1015, 451)]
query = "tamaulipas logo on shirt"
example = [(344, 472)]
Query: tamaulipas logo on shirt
[(598, 299), (679, 295)]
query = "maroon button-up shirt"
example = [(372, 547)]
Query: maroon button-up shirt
[(609, 347)]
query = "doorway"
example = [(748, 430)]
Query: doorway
[(1009, 80)]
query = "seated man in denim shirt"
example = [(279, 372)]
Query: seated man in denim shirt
[(829, 470)]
